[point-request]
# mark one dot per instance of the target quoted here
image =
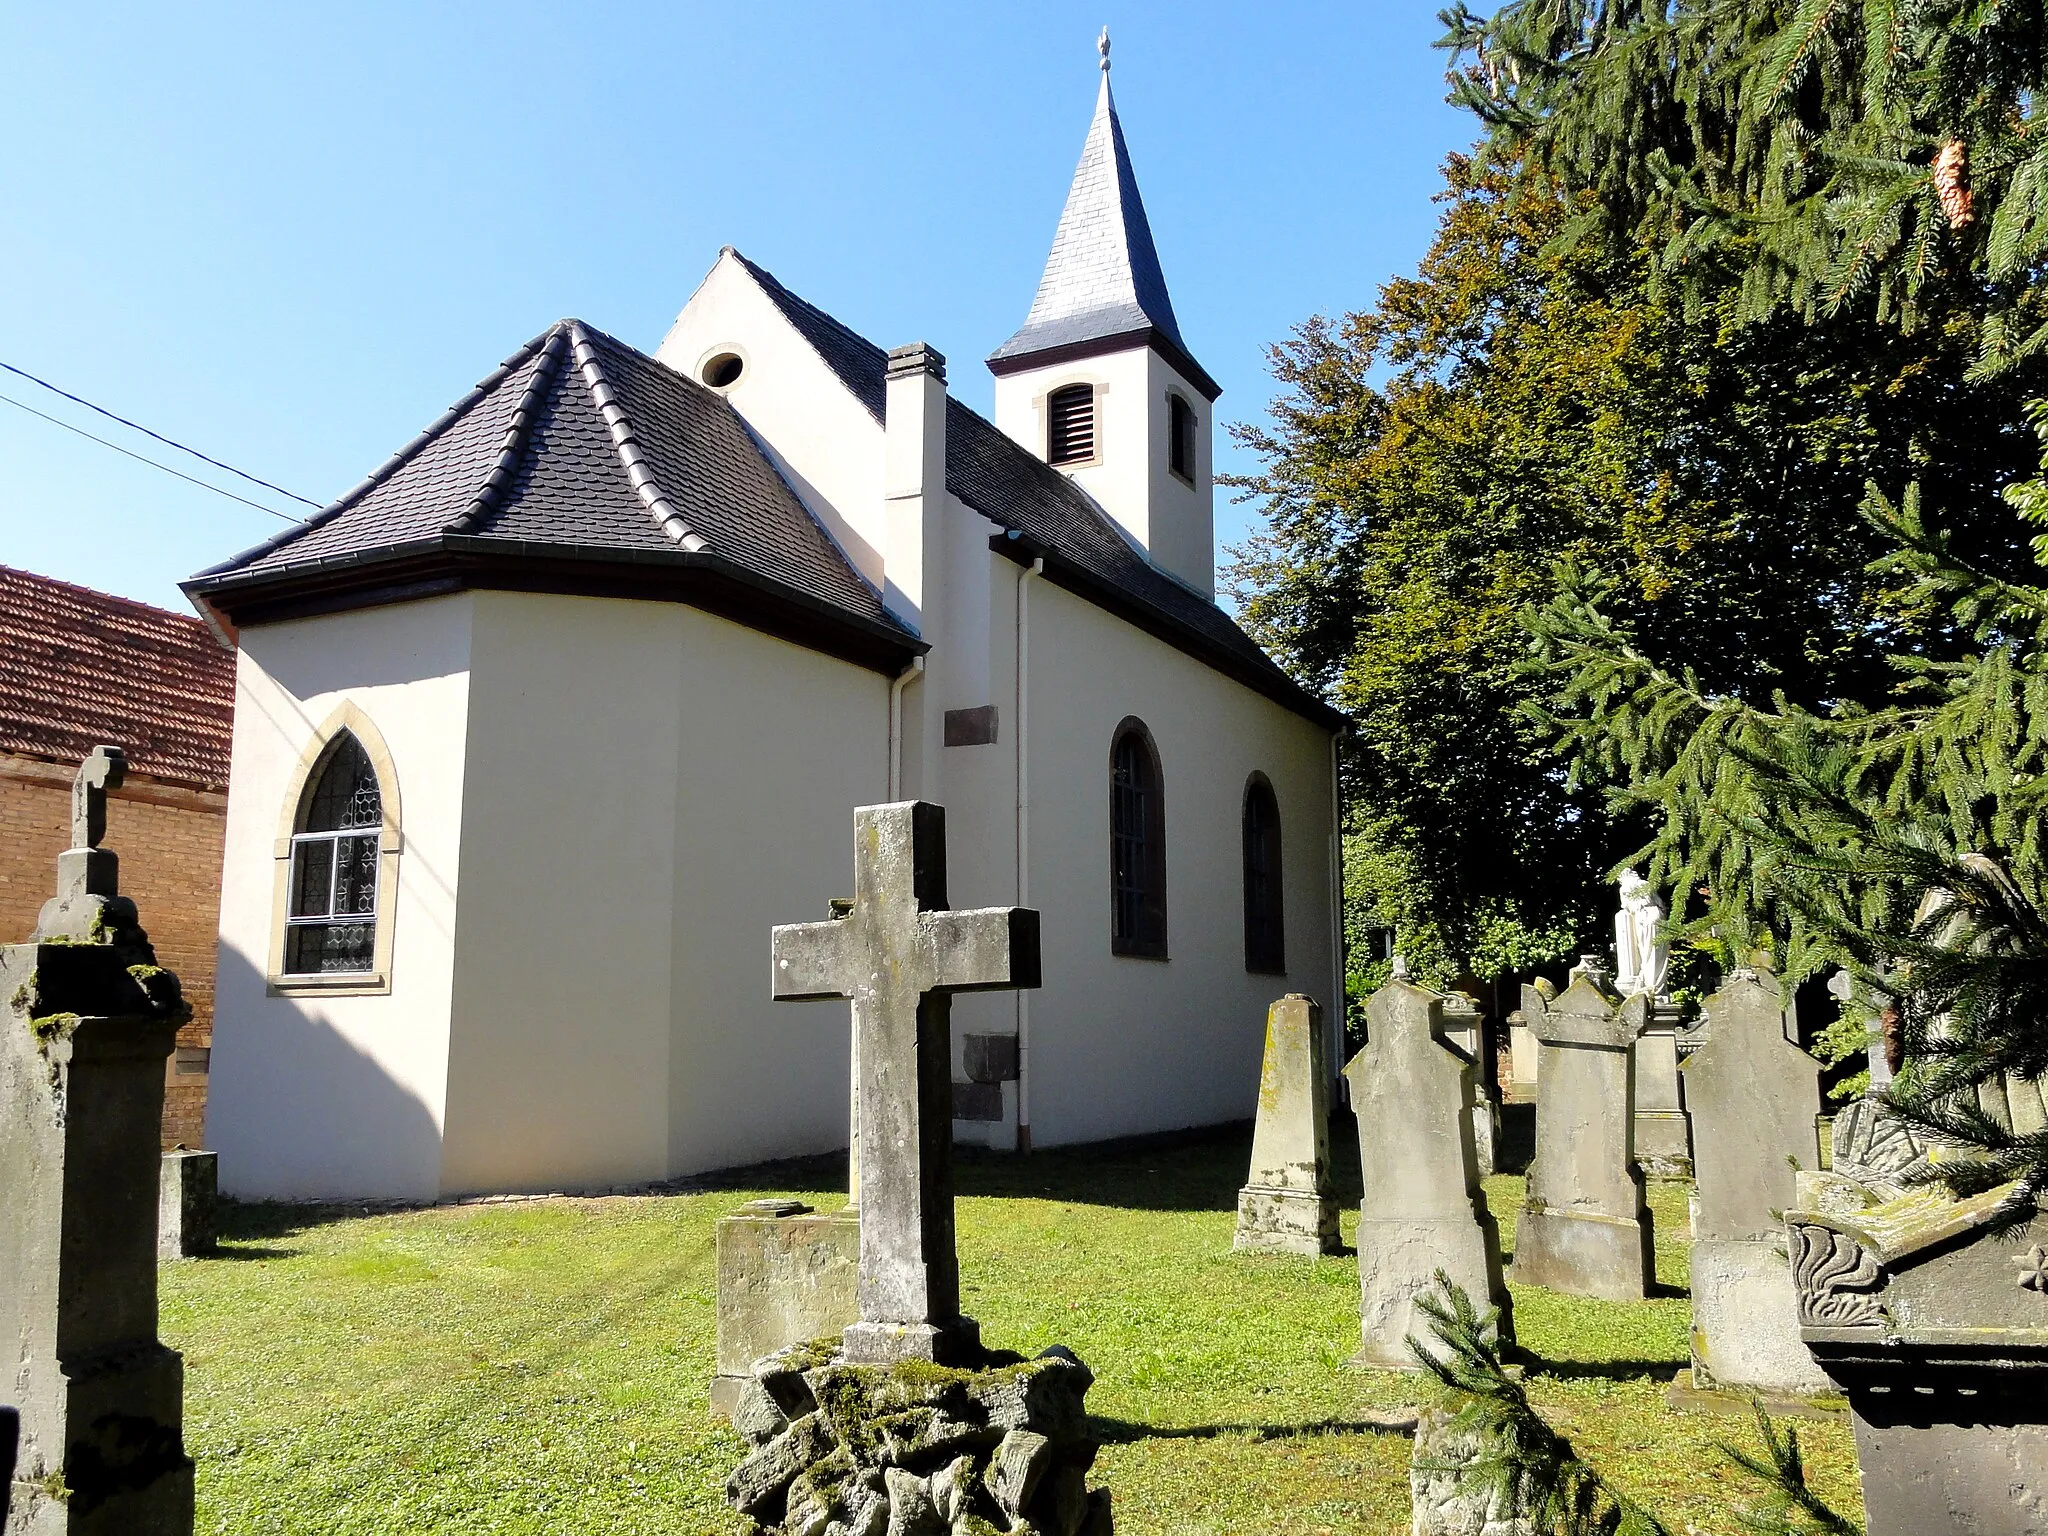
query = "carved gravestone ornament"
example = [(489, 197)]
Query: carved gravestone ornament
[(901, 955), (1931, 1314)]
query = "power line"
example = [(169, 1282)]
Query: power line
[(152, 463), (139, 427)]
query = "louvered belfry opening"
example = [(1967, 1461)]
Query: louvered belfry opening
[(1070, 425), (1180, 437)]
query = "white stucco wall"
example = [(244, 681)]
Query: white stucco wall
[(1169, 518), (1118, 1045), (824, 440), (650, 789), (313, 1096), (778, 745)]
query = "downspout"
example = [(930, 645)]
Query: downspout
[(896, 726), (1023, 718)]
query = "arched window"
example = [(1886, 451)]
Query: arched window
[(331, 922), (1070, 425), (1180, 437), (1137, 845), (1265, 929)]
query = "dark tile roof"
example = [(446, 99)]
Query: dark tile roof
[(1103, 280), (80, 668), (1051, 516), (579, 443)]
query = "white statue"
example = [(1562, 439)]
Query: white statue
[(1642, 959)]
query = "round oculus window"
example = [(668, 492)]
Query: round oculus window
[(722, 370)]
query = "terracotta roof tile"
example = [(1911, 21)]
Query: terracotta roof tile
[(79, 668)]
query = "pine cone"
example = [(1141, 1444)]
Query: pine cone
[(1952, 183)]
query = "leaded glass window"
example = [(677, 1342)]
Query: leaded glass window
[(331, 922), (1137, 859)]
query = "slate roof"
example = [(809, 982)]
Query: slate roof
[(79, 668), (1050, 516), (579, 443), (1102, 282)]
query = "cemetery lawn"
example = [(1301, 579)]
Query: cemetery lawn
[(542, 1367)]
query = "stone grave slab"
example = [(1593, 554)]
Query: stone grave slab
[(786, 1275), (1755, 1098), (1287, 1204), (1422, 1209), (1585, 1229), (188, 1205)]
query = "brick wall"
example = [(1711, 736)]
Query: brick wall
[(169, 840)]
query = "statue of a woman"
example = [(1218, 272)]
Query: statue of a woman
[(1641, 958)]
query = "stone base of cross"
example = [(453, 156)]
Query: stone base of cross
[(900, 955)]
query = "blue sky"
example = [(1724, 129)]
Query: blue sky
[(291, 236)]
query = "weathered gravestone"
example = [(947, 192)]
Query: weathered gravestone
[(909, 1426), (900, 955), (187, 1213), (1422, 1210), (1465, 1028), (1585, 1229), (1288, 1205), (1754, 1097), (786, 1275), (90, 1022), (1931, 1315)]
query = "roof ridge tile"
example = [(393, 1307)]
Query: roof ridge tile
[(491, 494), (627, 444)]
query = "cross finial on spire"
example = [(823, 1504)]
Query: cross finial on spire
[(1102, 47)]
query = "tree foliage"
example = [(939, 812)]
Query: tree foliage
[(1823, 155), (1522, 398)]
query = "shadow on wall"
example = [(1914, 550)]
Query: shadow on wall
[(299, 1112)]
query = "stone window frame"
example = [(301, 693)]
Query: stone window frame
[(1183, 427), (1149, 941), (1265, 927), (350, 719)]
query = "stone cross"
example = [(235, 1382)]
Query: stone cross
[(900, 955), (102, 770)]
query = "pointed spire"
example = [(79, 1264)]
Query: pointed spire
[(1102, 281)]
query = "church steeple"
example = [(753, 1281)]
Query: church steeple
[(1098, 382), (1102, 288)]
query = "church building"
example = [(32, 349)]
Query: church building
[(541, 727)]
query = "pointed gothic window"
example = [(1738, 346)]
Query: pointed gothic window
[(1070, 425), (1265, 934), (1137, 852), (1180, 437), (331, 924)]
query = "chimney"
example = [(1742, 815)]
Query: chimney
[(914, 476)]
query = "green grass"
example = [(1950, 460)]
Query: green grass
[(542, 1367)]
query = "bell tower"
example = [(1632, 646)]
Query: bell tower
[(1097, 381)]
